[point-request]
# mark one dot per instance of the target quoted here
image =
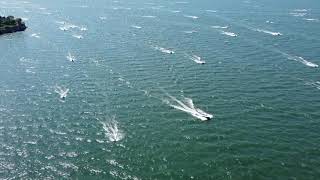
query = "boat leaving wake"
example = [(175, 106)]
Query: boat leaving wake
[(77, 36), (112, 131), (314, 84), (61, 91), (303, 61), (229, 33), (189, 108), (197, 59), (269, 32), (164, 50), (71, 57)]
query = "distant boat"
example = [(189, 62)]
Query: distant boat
[(71, 57)]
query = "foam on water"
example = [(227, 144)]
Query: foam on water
[(229, 33), (63, 92), (220, 27), (182, 2), (269, 32), (70, 57), (300, 10), (36, 35), (149, 16), (136, 27), (197, 59), (190, 32), (311, 19), (302, 60), (77, 36), (297, 14), (314, 84), (164, 50), (112, 131), (68, 26), (192, 17)]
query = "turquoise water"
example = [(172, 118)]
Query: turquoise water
[(260, 81)]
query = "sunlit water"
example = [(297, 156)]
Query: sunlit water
[(109, 89)]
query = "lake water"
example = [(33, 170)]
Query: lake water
[(102, 89)]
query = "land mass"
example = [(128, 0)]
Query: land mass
[(10, 25)]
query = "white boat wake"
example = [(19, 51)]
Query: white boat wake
[(220, 27), (61, 91), (189, 108), (71, 57), (229, 33), (190, 32), (314, 84), (269, 32), (36, 35), (192, 17), (164, 50), (136, 27), (298, 14), (77, 36), (212, 11), (303, 61), (149, 16), (197, 59), (112, 132), (311, 19), (67, 26)]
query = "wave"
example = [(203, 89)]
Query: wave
[(270, 22), (297, 14), (112, 132), (269, 32), (137, 27), (182, 2), (220, 27), (229, 33), (121, 8), (175, 11), (212, 11), (311, 19), (300, 10), (164, 50), (63, 92), (190, 32), (149, 16), (192, 17), (314, 84), (67, 26), (36, 35), (189, 108)]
